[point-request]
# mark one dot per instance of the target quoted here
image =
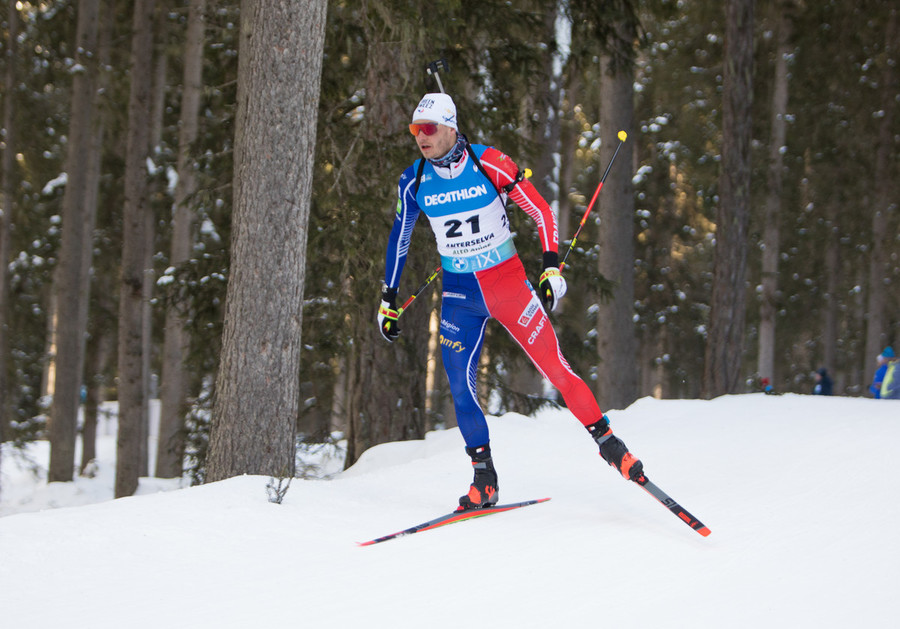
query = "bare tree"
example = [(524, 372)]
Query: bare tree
[(6, 173), (522, 380), (98, 353), (131, 294), (772, 223), (173, 392), (832, 262), (725, 340), (99, 341), (258, 384), (72, 279), (616, 340), (385, 383), (884, 204)]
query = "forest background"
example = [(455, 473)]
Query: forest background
[(120, 219)]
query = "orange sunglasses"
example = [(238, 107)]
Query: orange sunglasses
[(428, 128)]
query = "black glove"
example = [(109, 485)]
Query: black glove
[(388, 314), (552, 285)]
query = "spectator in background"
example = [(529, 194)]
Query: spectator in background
[(823, 382), (890, 386), (883, 358)]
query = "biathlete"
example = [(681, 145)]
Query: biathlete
[(462, 189)]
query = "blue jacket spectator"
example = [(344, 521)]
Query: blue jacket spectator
[(883, 358), (823, 382)]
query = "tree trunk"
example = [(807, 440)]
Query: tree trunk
[(724, 349), (96, 356), (6, 173), (768, 307), (832, 249), (617, 383), (522, 378), (386, 383), (48, 374), (72, 278), (876, 328), (99, 343), (386, 403), (548, 111), (173, 393), (567, 139), (154, 192), (258, 384), (131, 296)]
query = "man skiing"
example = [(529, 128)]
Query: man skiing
[(462, 189)]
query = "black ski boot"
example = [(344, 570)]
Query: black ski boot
[(614, 451), (484, 490)]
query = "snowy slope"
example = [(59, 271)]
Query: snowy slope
[(799, 493)]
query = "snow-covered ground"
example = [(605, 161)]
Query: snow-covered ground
[(799, 492)]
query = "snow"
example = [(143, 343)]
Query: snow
[(799, 492), (57, 182)]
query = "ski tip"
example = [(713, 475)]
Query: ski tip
[(704, 531)]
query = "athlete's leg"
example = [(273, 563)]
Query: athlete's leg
[(512, 301), (463, 321)]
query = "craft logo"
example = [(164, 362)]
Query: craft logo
[(537, 330)]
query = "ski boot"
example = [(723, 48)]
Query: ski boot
[(484, 490), (614, 451)]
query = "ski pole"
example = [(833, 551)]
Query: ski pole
[(424, 285), (622, 137)]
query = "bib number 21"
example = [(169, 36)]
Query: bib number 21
[(453, 226)]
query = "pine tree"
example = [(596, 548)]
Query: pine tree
[(257, 387), (72, 279), (725, 344), (131, 296)]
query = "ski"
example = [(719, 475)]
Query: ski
[(671, 505), (450, 518)]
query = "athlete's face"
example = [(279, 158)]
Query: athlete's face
[(438, 144)]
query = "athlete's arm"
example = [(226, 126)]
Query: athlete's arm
[(503, 171), (401, 232)]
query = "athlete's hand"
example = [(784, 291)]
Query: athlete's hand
[(552, 285), (388, 315)]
